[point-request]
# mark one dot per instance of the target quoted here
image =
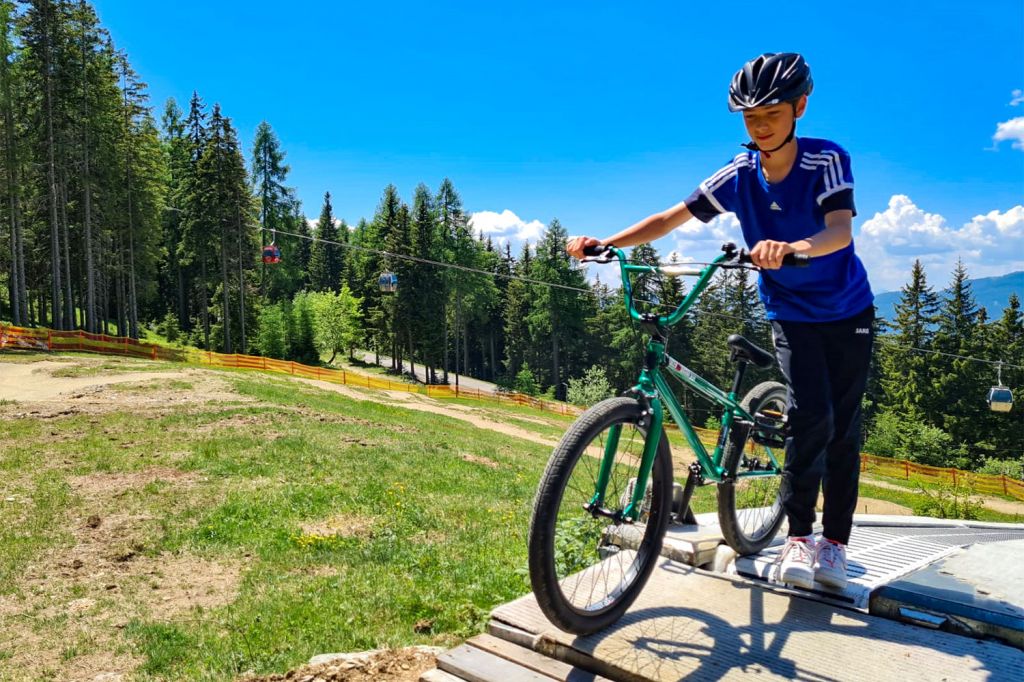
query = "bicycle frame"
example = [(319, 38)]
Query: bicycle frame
[(653, 389)]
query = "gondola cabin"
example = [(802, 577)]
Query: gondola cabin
[(1000, 399), (271, 254), (388, 282)]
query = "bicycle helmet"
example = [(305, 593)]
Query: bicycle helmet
[(770, 79)]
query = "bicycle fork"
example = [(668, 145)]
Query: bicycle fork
[(651, 419)]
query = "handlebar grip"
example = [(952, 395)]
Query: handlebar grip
[(795, 260), (597, 250)]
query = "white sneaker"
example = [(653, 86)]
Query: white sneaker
[(830, 563), (797, 562)]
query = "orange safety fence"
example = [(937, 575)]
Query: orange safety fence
[(981, 483), (47, 339)]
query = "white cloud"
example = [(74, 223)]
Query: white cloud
[(890, 241), (1012, 130), (694, 240), (506, 225), (1018, 97), (905, 229), (314, 222)]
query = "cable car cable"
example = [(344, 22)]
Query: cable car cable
[(591, 292)]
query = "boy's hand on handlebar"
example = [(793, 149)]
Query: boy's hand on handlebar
[(576, 245), (768, 253)]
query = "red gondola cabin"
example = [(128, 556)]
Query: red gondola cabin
[(271, 254)]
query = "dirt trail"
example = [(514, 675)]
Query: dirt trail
[(414, 401), (33, 382), (994, 503)]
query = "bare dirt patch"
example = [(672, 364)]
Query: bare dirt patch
[(396, 665), (340, 526), (115, 483), (65, 619), (35, 394), (35, 381), (477, 459), (73, 604)]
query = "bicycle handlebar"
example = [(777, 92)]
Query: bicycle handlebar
[(731, 258), (797, 260)]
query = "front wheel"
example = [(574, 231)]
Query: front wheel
[(586, 569), (749, 504)]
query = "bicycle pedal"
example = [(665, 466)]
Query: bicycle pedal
[(770, 428)]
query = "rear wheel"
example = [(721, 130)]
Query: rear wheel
[(749, 505), (586, 569)]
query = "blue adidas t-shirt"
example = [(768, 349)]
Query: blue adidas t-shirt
[(832, 287)]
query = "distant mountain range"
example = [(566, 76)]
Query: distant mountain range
[(991, 292)]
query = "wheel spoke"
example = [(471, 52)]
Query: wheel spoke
[(599, 565)]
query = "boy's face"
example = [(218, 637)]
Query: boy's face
[(768, 126)]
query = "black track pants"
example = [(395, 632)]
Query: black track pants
[(826, 367)]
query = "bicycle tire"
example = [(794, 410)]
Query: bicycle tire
[(750, 509), (563, 554)]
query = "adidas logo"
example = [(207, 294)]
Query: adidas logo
[(775, 207), (863, 330)]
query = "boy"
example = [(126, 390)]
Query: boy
[(795, 195)]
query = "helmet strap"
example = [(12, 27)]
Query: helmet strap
[(752, 146)]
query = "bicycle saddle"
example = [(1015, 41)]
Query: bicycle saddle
[(742, 349)]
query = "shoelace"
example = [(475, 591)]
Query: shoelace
[(803, 549), (828, 553)]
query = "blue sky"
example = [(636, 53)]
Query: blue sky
[(599, 113)]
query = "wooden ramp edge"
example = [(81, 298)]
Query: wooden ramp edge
[(486, 658), (692, 624)]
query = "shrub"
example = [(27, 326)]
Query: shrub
[(270, 338), (897, 436), (526, 382), (1013, 468), (947, 501), (168, 328), (592, 387)]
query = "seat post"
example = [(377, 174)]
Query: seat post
[(741, 368)]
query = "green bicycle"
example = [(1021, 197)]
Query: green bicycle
[(604, 501)]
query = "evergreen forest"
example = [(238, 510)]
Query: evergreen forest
[(118, 216)]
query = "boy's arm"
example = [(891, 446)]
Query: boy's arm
[(838, 233), (647, 230)]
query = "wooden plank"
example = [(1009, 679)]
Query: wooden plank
[(435, 675), (510, 633), (531, 659), (476, 665), (690, 624)]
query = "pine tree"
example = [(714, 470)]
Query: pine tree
[(906, 379), (325, 257), (519, 301), (176, 152), (1005, 343), (10, 86), (276, 201), (424, 285), (557, 318), (197, 232), (959, 388)]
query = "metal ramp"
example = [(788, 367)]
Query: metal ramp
[(918, 585)]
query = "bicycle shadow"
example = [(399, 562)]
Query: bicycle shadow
[(680, 643)]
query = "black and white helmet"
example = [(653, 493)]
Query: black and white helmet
[(770, 79)]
